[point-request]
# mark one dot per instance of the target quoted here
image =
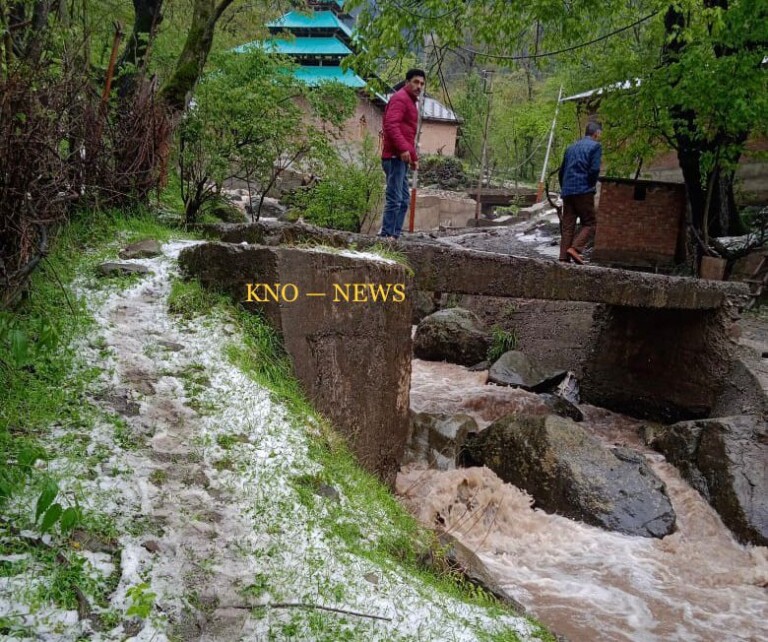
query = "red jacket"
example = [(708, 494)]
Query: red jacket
[(401, 120)]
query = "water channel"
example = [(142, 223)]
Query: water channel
[(697, 584)]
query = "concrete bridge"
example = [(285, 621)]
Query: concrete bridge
[(650, 345), (442, 268), (448, 269)]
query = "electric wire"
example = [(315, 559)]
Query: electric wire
[(547, 54)]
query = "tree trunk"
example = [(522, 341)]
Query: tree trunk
[(148, 14), (194, 55), (27, 31), (722, 217)]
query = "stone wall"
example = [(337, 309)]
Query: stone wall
[(665, 365), (352, 358), (555, 334), (639, 223), (434, 209)]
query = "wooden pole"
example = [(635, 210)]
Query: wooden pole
[(415, 176), (112, 61)]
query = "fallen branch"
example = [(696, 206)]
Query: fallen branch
[(302, 605)]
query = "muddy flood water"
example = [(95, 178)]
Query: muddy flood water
[(590, 585)]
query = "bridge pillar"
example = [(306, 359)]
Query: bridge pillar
[(664, 364)]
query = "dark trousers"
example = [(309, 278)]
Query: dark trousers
[(579, 207), (398, 196)]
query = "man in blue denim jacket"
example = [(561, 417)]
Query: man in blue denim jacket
[(578, 183)]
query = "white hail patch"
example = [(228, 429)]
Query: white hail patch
[(200, 481)]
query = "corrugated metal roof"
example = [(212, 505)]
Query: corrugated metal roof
[(314, 76), (312, 20), (434, 110), (308, 46)]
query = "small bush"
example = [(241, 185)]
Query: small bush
[(446, 172), (348, 194), (501, 341)]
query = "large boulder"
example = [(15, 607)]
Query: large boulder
[(455, 335), (571, 473), (726, 460), (515, 369), (146, 249), (228, 212), (111, 268), (437, 439), (561, 407), (270, 208)]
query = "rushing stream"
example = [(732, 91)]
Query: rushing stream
[(590, 585)]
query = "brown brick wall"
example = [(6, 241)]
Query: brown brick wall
[(639, 232)]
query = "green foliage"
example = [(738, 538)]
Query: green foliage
[(23, 343), (386, 30), (35, 384), (190, 299), (142, 601), (247, 123), (40, 381), (501, 341), (716, 78), (349, 193), (332, 103), (522, 110)]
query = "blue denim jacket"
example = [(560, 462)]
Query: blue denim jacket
[(581, 167)]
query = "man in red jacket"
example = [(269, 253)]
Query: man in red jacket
[(399, 151)]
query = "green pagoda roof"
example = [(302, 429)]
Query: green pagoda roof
[(314, 76), (314, 20), (308, 46)]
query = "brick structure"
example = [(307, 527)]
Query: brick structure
[(639, 223)]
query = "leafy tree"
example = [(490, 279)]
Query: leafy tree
[(247, 122), (695, 83), (349, 194), (702, 81)]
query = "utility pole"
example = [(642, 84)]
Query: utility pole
[(540, 190), (488, 91)]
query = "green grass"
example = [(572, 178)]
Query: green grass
[(43, 384), (189, 299), (388, 252), (400, 543), (501, 341)]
